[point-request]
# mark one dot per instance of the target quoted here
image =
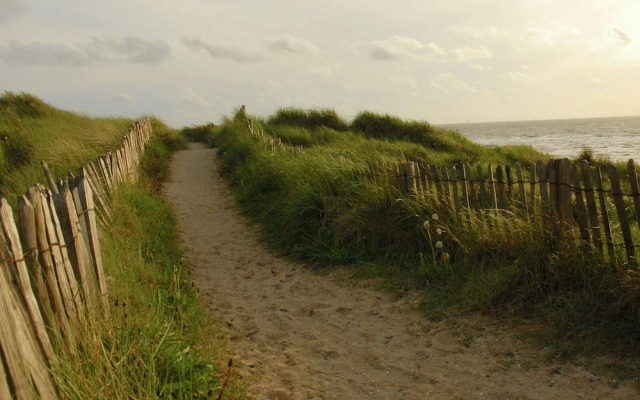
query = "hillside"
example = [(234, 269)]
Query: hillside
[(158, 341), (326, 191)]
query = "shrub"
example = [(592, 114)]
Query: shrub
[(25, 105), (392, 128), (18, 150), (309, 119), (198, 133)]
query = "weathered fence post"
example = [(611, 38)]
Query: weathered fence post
[(605, 216), (635, 192), (618, 201), (591, 204)]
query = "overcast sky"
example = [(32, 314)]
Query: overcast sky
[(193, 61)]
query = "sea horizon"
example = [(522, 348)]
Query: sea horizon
[(534, 120), (612, 137)]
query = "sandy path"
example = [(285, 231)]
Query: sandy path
[(297, 335)]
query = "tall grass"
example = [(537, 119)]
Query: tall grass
[(160, 341), (31, 131), (313, 207)]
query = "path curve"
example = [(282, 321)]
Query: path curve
[(297, 335)]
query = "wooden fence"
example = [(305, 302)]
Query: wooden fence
[(52, 284), (573, 202)]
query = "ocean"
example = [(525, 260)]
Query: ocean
[(617, 138)]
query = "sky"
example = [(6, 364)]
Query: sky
[(194, 61)]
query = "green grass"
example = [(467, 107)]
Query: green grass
[(160, 341), (31, 131), (314, 208)]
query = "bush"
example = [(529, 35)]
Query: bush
[(309, 119), (385, 126), (25, 105), (17, 149), (198, 133), (294, 136)]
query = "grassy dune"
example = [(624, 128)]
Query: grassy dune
[(313, 207), (31, 131), (160, 342)]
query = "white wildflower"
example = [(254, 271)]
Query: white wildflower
[(439, 244), (439, 231), (425, 225), (435, 217)]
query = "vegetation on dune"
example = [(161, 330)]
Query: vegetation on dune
[(160, 341), (31, 131), (315, 207)]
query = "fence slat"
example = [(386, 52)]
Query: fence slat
[(446, 183), (465, 192), (408, 171), (605, 215), (580, 207), (4, 385), (61, 279), (417, 172), (438, 183), (523, 197), (67, 266), (492, 190), (49, 177), (473, 194), (545, 202), (456, 194), (86, 198), (591, 204), (22, 277), (618, 201), (510, 194), (553, 189), (635, 192), (76, 245), (45, 256), (482, 190), (563, 178), (21, 352), (29, 239), (500, 193), (532, 191)]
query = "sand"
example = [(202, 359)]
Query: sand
[(294, 334)]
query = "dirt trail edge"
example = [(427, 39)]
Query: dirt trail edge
[(297, 335)]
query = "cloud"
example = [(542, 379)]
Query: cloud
[(521, 77), (129, 49), (10, 9), (464, 54), (447, 83), (123, 98), (293, 45), (191, 97), (97, 51), (478, 67), (480, 33), (324, 71), (396, 47), (221, 52), (402, 79), (36, 53), (619, 36), (545, 38)]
